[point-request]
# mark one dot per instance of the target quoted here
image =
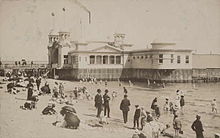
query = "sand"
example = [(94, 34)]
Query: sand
[(18, 123)]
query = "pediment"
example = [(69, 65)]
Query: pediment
[(106, 49)]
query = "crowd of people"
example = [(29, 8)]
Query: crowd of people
[(145, 123)]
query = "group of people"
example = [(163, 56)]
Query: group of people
[(145, 120), (142, 119)]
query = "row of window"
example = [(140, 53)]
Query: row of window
[(98, 59), (172, 58), (104, 59), (161, 58)]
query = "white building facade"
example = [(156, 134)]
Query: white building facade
[(114, 60)]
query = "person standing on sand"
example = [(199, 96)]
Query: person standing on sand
[(61, 89), (98, 102), (38, 82), (197, 127), (125, 91), (106, 83), (55, 90), (166, 105), (182, 103), (177, 125), (153, 103), (124, 107), (106, 99), (30, 93), (29, 85), (214, 106), (137, 115)]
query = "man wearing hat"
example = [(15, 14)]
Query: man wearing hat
[(124, 107), (106, 103), (197, 127), (98, 102)]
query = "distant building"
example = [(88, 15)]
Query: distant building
[(114, 60)]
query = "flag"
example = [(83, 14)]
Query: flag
[(52, 14), (64, 9)]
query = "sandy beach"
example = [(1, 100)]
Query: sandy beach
[(18, 123)]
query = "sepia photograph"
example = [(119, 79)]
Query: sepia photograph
[(109, 68)]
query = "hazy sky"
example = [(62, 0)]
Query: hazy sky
[(25, 24)]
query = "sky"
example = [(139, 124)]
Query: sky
[(25, 24)]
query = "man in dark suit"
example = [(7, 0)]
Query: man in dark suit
[(106, 99), (98, 102), (124, 106), (197, 127)]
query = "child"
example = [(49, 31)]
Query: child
[(137, 115), (214, 106), (114, 95), (143, 117), (157, 111), (166, 105), (177, 125)]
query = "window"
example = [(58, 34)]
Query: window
[(151, 56), (112, 59), (178, 59), (133, 57), (146, 56), (65, 59), (105, 59), (171, 60), (142, 57), (98, 59), (187, 59), (65, 56), (92, 59), (118, 59), (160, 58)]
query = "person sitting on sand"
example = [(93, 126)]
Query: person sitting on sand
[(69, 118), (46, 88), (49, 110)]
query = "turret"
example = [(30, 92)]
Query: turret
[(118, 39), (53, 36)]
